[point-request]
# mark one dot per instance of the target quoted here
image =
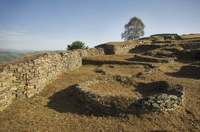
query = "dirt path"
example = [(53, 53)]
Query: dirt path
[(57, 109)]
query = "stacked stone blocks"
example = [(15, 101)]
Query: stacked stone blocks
[(27, 78)]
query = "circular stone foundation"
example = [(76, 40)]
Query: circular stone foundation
[(121, 94)]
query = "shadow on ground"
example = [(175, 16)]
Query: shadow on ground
[(148, 89), (66, 101), (179, 74), (144, 48), (189, 71)]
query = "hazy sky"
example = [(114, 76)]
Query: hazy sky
[(52, 24)]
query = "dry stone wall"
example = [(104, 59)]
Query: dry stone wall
[(121, 47), (27, 78), (164, 96)]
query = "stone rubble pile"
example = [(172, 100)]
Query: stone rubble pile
[(170, 100)]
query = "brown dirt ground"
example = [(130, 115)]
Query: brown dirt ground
[(57, 109)]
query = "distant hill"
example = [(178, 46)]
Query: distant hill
[(14, 50), (11, 55)]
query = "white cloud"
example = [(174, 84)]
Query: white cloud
[(22, 36), (25, 40), (6, 35), (14, 36)]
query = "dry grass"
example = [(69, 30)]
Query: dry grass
[(122, 43), (57, 109), (191, 36), (110, 57), (129, 42), (113, 88)]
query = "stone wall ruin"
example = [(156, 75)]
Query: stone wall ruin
[(157, 96), (29, 76)]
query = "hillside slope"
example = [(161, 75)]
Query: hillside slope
[(58, 106), (11, 55)]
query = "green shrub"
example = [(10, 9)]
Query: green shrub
[(76, 45)]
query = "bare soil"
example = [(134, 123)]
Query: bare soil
[(57, 109)]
